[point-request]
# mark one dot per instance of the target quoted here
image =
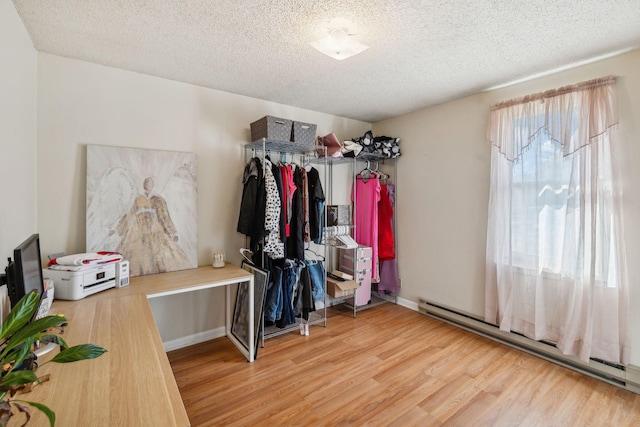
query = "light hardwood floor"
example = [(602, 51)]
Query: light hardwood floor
[(390, 366)]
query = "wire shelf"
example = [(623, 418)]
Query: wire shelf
[(282, 146)]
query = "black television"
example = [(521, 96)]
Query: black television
[(24, 273)]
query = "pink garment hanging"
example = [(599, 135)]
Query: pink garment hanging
[(366, 216), (288, 187)]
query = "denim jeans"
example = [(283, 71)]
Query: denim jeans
[(273, 303), (316, 272), (318, 240), (289, 283)]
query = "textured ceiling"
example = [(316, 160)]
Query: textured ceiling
[(421, 53)]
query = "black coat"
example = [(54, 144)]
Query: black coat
[(316, 196), (252, 206)]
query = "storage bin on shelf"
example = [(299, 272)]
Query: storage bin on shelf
[(284, 130), (304, 134), (270, 127)]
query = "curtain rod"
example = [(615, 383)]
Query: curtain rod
[(541, 96)]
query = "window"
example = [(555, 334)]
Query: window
[(555, 250)]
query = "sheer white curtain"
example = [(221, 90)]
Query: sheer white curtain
[(556, 267)]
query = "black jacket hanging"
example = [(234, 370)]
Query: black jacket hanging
[(252, 206), (316, 197)]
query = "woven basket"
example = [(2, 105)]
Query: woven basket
[(271, 128), (304, 134)]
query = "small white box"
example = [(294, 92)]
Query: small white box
[(122, 273)]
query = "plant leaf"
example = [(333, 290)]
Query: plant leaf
[(44, 408), (30, 329), (79, 352), (18, 378), (20, 314), (18, 356), (63, 343)]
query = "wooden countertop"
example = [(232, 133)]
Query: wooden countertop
[(132, 384)]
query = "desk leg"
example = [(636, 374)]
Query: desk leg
[(227, 311)]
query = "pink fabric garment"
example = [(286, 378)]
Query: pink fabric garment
[(290, 183), (366, 216), (288, 187)]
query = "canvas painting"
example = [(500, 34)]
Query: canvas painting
[(143, 204), (240, 323)]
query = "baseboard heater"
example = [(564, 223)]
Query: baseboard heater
[(627, 377)]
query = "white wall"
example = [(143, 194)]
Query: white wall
[(18, 165), (81, 103), (443, 188)]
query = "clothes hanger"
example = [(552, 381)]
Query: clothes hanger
[(383, 176), (247, 255), (283, 159), (307, 162), (367, 168), (299, 162), (365, 173)]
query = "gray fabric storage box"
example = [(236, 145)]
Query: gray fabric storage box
[(271, 128), (304, 133)]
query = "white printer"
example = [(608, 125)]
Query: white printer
[(75, 285)]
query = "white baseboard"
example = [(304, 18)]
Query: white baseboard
[(412, 305), (633, 378), (194, 339)]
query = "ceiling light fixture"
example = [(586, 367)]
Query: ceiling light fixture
[(339, 43)]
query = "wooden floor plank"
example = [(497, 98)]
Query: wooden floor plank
[(390, 366)]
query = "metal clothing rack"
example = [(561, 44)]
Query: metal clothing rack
[(310, 154), (376, 298), (305, 155)]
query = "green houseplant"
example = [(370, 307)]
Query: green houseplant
[(17, 337)]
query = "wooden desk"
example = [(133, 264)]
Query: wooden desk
[(132, 384)]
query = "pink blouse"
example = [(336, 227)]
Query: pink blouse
[(366, 216)]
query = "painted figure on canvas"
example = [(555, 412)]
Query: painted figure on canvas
[(148, 225), (143, 204)]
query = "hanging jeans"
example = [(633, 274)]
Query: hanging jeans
[(289, 283), (273, 304), (316, 274), (320, 207)]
